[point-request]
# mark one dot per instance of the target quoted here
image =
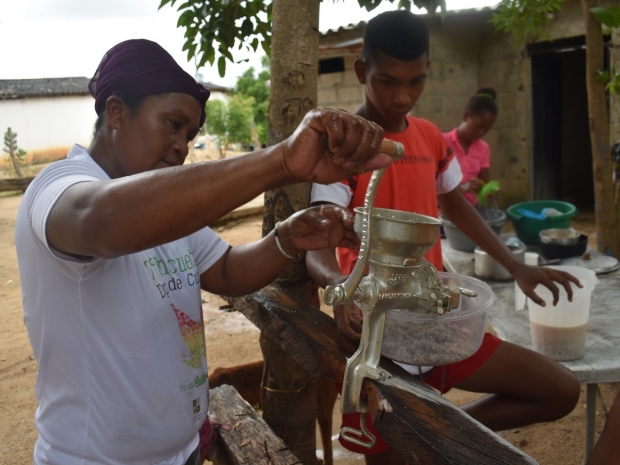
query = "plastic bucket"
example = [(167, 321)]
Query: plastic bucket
[(527, 229), (459, 241), (560, 332), (432, 339)]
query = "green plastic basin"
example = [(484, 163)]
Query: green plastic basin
[(527, 229)]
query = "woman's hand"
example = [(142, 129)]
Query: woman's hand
[(528, 277), (331, 145), (317, 228)]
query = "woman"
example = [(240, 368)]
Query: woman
[(113, 248), (467, 144)]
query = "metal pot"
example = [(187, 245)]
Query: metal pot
[(487, 267)]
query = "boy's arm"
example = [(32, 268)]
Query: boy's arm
[(465, 217), (323, 268)]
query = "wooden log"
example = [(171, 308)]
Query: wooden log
[(421, 425), (15, 184), (250, 439)]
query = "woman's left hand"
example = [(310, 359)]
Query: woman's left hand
[(318, 228), (528, 277)]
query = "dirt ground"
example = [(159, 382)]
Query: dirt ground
[(231, 340)]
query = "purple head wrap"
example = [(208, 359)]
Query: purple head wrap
[(140, 67)]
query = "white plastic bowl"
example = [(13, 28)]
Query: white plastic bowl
[(434, 340)]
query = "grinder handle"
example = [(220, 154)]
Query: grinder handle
[(395, 150)]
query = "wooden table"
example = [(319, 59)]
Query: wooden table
[(601, 360)]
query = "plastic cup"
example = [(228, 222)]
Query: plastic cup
[(559, 332)]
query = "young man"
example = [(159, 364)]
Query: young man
[(524, 387)]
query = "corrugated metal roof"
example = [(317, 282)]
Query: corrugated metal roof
[(351, 27), (55, 87), (215, 87), (47, 87)]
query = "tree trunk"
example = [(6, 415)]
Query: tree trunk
[(607, 235), (289, 401)]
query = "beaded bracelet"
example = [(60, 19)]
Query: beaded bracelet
[(275, 233)]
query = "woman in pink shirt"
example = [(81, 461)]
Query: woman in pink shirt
[(465, 141)]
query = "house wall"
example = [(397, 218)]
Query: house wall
[(49, 122), (503, 67), (341, 90)]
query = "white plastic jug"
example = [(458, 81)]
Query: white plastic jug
[(530, 258), (559, 332)]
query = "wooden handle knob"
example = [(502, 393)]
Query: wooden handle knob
[(395, 150)]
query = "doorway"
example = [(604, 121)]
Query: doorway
[(562, 156)]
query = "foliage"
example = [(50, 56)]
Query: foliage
[(10, 147), (524, 18), (230, 120), (215, 28), (610, 19), (250, 85)]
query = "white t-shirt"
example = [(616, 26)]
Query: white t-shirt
[(120, 342), (340, 193)]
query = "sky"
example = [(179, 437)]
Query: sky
[(66, 38)]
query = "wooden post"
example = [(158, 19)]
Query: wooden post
[(606, 211), (289, 399)]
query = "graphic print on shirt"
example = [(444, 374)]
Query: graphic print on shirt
[(194, 337), (172, 266), (165, 275)]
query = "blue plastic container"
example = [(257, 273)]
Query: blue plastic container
[(527, 229)]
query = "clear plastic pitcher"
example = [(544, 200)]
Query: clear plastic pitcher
[(560, 332)]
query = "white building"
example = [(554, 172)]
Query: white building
[(47, 113), (54, 113)]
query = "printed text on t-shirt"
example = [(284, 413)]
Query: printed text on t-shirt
[(171, 266), (415, 159)]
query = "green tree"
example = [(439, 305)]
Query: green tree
[(257, 86), (240, 117), (230, 121), (16, 154), (526, 19), (215, 28)]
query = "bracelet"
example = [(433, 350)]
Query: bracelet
[(275, 233)]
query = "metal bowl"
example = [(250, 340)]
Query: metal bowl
[(559, 236)]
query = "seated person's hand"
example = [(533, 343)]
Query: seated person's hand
[(319, 227), (528, 277), (349, 321), (473, 186)]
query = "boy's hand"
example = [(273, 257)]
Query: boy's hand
[(318, 227), (528, 277), (331, 145), (349, 321)]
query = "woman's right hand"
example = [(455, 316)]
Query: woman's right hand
[(349, 321), (331, 145)]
